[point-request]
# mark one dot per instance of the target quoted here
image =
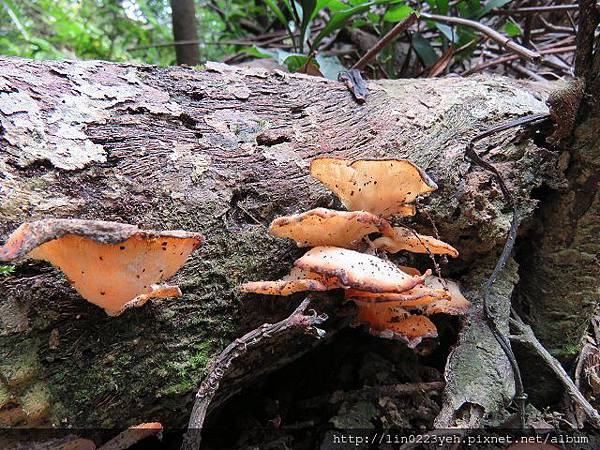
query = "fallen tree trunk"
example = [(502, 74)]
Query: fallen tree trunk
[(223, 151)]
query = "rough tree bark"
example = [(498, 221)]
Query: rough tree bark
[(185, 29), (560, 293), (224, 151)]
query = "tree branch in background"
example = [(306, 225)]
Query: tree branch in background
[(385, 40), (185, 29), (508, 58), (489, 32)]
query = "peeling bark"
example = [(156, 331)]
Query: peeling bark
[(223, 151)]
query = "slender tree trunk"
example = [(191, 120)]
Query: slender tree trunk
[(185, 30), (224, 151)]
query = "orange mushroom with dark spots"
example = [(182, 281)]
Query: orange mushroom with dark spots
[(327, 268), (297, 281), (417, 297), (110, 264), (358, 270), (392, 321), (385, 187), (454, 304), (322, 226), (407, 239)]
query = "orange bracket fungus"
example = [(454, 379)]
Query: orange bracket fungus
[(393, 301), (113, 265), (409, 240), (323, 226), (392, 321), (416, 297), (358, 270), (297, 281), (326, 268), (389, 312), (454, 303), (382, 187)]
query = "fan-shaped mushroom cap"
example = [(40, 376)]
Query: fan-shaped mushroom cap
[(323, 226), (454, 303), (298, 280), (132, 436), (416, 297), (109, 263), (382, 187), (392, 321), (409, 240), (358, 270)]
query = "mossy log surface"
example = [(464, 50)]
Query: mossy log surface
[(224, 151)]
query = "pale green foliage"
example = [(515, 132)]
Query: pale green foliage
[(140, 30), (6, 270), (97, 29)]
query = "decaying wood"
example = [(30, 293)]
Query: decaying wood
[(223, 151), (222, 363)]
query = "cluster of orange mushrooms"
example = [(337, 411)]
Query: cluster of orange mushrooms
[(350, 249)]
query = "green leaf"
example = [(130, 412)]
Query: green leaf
[(339, 19), (447, 31), (330, 66), (272, 5), (468, 8), (442, 7), (259, 52), (491, 4), (6, 270), (308, 8), (282, 55), (424, 50), (373, 18), (296, 62), (512, 29), (397, 14)]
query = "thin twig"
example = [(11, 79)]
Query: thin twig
[(528, 73), (489, 313), (508, 58), (537, 9), (210, 384), (527, 337), (490, 32), (385, 40)]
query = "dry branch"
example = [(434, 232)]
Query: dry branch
[(385, 40), (219, 367), (527, 337), (490, 32)]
